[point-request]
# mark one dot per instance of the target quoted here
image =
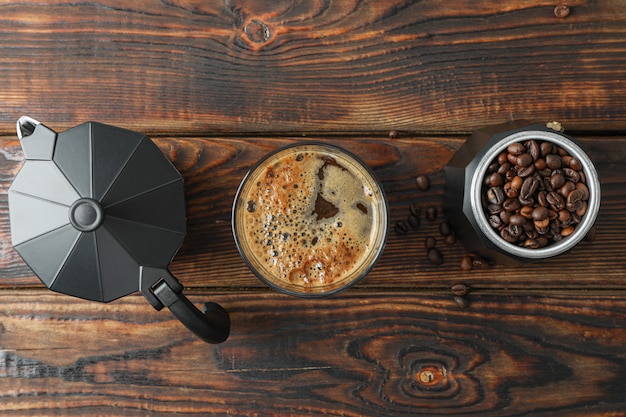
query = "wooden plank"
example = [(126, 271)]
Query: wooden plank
[(363, 354), (358, 66), (213, 168)]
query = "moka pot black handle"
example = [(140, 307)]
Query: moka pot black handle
[(162, 289)]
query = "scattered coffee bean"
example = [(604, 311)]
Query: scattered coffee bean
[(393, 134), (413, 221), (462, 302), (444, 229), (450, 239), (430, 243), (401, 228), (460, 289), (480, 263), (415, 210), (423, 183), (466, 263), (431, 213), (435, 257), (544, 195)]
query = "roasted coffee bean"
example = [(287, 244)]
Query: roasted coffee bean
[(546, 148), (552, 215), (466, 264), (555, 200), (530, 201), (566, 231), (509, 191), (531, 244), (540, 164), (540, 213), (401, 228), (450, 239), (541, 199), (444, 229), (565, 160), (502, 169), (516, 230), (527, 212), (557, 180), (565, 217), (517, 220), (529, 186), (431, 212), (553, 161), (462, 302), (517, 182), (430, 242), (533, 149), (494, 208), (480, 263), (435, 257), (502, 158), (567, 188), (571, 175), (495, 180), (532, 233), (526, 171), (461, 289), (516, 149), (512, 158), (542, 226), (413, 221), (575, 164), (523, 160), (508, 236), (542, 241), (584, 189), (415, 210), (505, 216), (582, 210), (511, 204), (573, 207), (575, 196), (423, 183)]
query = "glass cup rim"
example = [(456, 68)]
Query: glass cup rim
[(383, 209), (593, 183)]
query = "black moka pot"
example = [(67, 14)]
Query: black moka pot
[(98, 212)]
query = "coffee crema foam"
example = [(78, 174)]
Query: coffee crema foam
[(309, 219)]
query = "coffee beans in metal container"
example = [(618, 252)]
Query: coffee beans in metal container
[(534, 193)]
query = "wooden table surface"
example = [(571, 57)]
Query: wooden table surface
[(217, 84)]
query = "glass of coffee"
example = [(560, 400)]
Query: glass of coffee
[(310, 219)]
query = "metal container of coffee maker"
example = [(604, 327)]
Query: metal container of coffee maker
[(464, 201)]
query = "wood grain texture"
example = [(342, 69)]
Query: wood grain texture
[(312, 66), (218, 84), (213, 168), (355, 355)]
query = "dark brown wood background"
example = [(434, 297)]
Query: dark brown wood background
[(219, 84)]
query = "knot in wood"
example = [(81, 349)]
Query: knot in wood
[(429, 375), (257, 31), (561, 11)]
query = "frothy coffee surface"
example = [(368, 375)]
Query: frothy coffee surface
[(309, 218)]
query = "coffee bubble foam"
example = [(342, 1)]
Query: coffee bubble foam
[(308, 219)]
